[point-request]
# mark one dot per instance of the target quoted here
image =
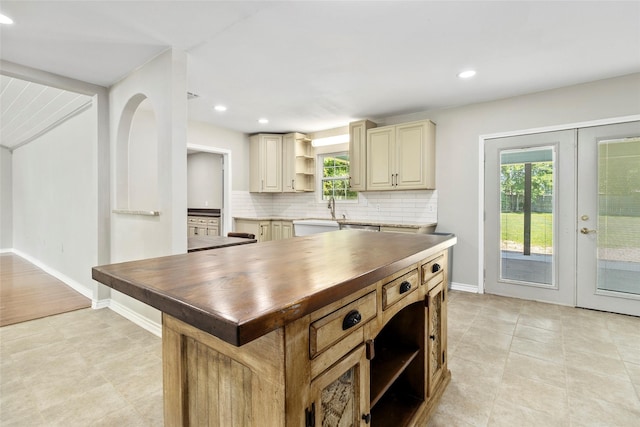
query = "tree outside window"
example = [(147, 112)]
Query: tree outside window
[(335, 177)]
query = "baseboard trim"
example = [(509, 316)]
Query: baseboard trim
[(100, 304), (464, 287), (75, 285), (143, 322)]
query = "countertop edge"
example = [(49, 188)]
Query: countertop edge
[(415, 225), (240, 332)]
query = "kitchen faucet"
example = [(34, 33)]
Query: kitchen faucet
[(332, 206)]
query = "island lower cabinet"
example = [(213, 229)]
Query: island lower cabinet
[(376, 357)]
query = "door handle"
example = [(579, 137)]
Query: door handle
[(585, 230)]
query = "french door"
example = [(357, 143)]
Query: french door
[(529, 216), (608, 242), (562, 217)]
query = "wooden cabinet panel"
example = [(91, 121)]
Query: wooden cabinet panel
[(358, 154), (202, 226), (265, 174), (436, 337), (401, 157), (380, 158), (410, 156), (433, 270), (340, 396), (334, 326), (259, 228), (287, 229), (399, 288)]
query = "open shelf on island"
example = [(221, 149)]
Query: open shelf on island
[(396, 408), (397, 370), (388, 365)]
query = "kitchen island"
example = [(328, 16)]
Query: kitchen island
[(341, 327)]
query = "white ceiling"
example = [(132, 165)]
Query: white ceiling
[(313, 65), (29, 109)]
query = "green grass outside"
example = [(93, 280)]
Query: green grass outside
[(621, 231), (512, 228)]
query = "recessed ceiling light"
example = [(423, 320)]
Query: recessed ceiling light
[(4, 19), (220, 108), (263, 121), (467, 74)]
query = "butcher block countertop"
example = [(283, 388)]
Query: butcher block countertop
[(241, 293)]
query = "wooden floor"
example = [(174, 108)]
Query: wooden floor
[(27, 292)]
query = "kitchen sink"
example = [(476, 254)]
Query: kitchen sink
[(305, 227)]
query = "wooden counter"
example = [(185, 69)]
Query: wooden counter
[(266, 334), (241, 293), (203, 243)]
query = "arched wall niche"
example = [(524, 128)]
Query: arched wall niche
[(137, 156)]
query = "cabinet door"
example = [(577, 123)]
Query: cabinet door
[(213, 231), (289, 163), (272, 155), (358, 154), (380, 158), (265, 172), (340, 395), (264, 234), (276, 230), (247, 226), (287, 229), (436, 337), (414, 154)]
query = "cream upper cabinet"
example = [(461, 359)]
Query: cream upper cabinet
[(265, 174), (358, 154), (298, 163), (401, 157)]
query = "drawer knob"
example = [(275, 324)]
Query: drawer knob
[(405, 287), (436, 267), (351, 319)]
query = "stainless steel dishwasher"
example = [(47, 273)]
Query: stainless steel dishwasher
[(363, 227)]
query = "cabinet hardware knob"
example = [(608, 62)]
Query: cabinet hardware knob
[(432, 337), (405, 287), (435, 268), (351, 319), (366, 418)]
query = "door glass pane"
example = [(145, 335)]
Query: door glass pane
[(618, 230), (527, 182), (339, 401)]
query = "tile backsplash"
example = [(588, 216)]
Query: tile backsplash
[(398, 207)]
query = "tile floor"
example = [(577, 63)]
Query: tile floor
[(513, 363)]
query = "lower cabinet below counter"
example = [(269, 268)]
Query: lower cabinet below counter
[(265, 230), (203, 226)]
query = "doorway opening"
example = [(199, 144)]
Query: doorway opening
[(225, 197)]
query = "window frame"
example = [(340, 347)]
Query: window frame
[(321, 178)]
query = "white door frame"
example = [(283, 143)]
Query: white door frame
[(226, 192), (482, 141)]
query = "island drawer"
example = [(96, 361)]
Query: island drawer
[(336, 325), (399, 288), (432, 268)]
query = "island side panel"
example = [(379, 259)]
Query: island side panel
[(207, 379)]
